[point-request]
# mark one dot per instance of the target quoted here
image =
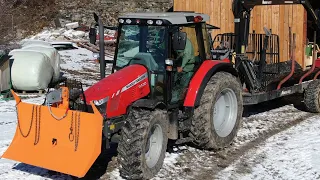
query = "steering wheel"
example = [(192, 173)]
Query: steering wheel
[(158, 52), (157, 49)]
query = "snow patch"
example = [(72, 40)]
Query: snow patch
[(169, 163), (292, 154)]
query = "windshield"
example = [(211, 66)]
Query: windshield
[(142, 45)]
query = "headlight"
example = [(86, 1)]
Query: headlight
[(102, 105), (101, 101)]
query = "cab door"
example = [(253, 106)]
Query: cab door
[(187, 61)]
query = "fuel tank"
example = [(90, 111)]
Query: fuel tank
[(120, 89)]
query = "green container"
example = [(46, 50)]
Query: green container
[(309, 50)]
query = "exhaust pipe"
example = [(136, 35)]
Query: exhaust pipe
[(93, 40), (102, 53)]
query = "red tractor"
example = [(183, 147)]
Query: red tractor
[(165, 85), (167, 82)]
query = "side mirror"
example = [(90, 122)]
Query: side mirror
[(179, 40), (96, 17), (93, 30), (93, 35)]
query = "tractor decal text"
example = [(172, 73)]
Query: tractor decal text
[(142, 85), (134, 82), (131, 84), (283, 93), (266, 2)]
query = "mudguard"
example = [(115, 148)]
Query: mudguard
[(70, 145), (202, 77)]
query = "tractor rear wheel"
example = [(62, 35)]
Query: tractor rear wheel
[(143, 144), (216, 121), (312, 97)]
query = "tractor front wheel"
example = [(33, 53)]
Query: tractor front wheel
[(143, 144), (216, 121)]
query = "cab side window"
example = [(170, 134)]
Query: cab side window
[(206, 41)]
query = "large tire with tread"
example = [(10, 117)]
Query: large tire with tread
[(222, 90), (134, 144), (312, 97)]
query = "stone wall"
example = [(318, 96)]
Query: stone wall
[(109, 10)]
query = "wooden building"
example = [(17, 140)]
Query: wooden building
[(275, 17)]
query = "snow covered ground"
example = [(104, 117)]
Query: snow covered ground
[(292, 154), (278, 140)]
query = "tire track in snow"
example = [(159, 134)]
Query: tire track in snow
[(257, 127), (292, 154)]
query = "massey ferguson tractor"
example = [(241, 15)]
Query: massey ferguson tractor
[(168, 82)]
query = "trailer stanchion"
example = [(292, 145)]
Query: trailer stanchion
[(292, 57)]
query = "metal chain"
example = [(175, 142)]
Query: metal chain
[(38, 120), (25, 136), (71, 136), (77, 132), (76, 117), (36, 129), (54, 116)]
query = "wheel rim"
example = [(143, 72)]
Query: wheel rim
[(225, 112), (154, 145)]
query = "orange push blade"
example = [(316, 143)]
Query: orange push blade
[(70, 145)]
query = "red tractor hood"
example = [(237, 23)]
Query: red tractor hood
[(122, 88)]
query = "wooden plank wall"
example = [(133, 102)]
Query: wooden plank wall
[(277, 18), (220, 16)]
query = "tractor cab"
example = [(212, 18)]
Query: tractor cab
[(170, 45)]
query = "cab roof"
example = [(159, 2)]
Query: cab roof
[(171, 17)]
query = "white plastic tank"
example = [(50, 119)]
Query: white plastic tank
[(31, 70), (53, 55)]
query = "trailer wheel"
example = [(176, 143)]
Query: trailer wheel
[(216, 121), (143, 144), (312, 98)]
